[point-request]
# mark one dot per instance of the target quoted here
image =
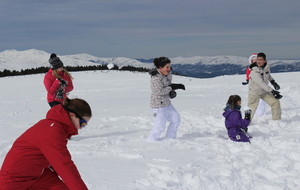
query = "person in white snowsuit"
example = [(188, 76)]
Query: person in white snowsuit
[(262, 104), (162, 90), (258, 87)]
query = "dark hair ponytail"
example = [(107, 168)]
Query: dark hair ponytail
[(232, 100), (80, 106), (161, 61)]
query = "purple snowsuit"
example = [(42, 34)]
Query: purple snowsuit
[(235, 125)]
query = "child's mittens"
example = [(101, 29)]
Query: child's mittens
[(245, 83), (63, 83), (248, 114)]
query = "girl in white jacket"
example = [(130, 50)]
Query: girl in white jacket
[(162, 90)]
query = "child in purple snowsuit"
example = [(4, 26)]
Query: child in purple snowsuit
[(235, 124)]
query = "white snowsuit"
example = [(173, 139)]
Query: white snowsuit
[(162, 108), (259, 89)]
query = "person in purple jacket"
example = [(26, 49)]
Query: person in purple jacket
[(236, 126)]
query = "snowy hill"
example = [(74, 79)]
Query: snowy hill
[(205, 67), (112, 153), (17, 60), (197, 66)]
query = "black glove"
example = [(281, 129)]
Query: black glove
[(276, 86), (177, 86), (245, 83), (172, 94), (60, 93), (276, 94), (248, 114), (63, 83)]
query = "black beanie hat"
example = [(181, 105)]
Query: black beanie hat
[(55, 62)]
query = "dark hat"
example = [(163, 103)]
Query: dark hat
[(55, 62)]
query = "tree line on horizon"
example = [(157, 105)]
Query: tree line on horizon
[(38, 70)]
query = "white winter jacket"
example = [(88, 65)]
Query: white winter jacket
[(259, 78), (160, 90)]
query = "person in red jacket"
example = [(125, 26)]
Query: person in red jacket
[(252, 59), (57, 81), (39, 158)]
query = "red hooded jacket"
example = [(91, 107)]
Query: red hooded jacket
[(41, 146), (52, 84), (248, 71)]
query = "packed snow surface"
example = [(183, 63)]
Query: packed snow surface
[(112, 152)]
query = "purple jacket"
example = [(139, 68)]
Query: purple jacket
[(234, 121)]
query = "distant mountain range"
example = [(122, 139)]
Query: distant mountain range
[(197, 66)]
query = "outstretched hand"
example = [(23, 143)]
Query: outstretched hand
[(245, 83), (177, 86)]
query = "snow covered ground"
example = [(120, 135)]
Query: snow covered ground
[(112, 152)]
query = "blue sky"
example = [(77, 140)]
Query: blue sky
[(153, 28)]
